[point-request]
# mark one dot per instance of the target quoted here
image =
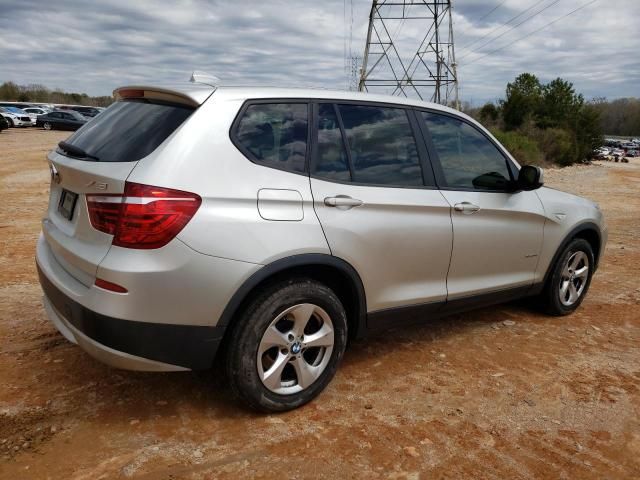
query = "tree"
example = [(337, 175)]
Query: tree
[(554, 116), (41, 94), (489, 113), (523, 98), (559, 106)]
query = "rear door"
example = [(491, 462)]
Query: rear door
[(97, 160), (374, 194), (497, 233)]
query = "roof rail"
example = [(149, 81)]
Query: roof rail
[(206, 78)]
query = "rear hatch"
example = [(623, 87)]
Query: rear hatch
[(96, 160)]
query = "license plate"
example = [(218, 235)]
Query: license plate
[(67, 204)]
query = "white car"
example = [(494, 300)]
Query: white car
[(15, 119), (33, 113)]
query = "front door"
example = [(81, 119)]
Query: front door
[(497, 234)]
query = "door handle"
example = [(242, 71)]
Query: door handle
[(467, 208), (343, 202)]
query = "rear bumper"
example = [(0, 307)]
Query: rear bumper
[(130, 344)]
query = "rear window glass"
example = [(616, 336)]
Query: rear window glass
[(129, 130)]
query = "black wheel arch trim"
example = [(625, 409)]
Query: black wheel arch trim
[(583, 227), (302, 260)]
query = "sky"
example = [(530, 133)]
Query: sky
[(96, 46)]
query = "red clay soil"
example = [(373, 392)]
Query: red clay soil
[(503, 392)]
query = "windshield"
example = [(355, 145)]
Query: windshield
[(15, 110), (75, 114), (128, 130)]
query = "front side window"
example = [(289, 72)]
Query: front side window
[(275, 134), (382, 147), (469, 160)]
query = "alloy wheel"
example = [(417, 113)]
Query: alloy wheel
[(574, 278), (295, 349)]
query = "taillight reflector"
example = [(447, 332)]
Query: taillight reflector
[(144, 217), (113, 287)]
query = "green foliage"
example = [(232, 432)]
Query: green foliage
[(10, 91), (551, 116), (523, 99), (557, 146), (524, 149), (489, 113), (559, 105)]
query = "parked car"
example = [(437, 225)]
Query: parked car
[(274, 225), (3, 123), (89, 112), (22, 113), (617, 153), (15, 119), (633, 153), (33, 112), (61, 120)]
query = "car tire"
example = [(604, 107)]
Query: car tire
[(10, 122), (286, 346), (47, 126), (569, 282)]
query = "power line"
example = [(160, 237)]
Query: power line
[(491, 40), (492, 10), (533, 32), (466, 47)]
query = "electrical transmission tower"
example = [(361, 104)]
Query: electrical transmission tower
[(426, 70)]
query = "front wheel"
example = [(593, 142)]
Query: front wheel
[(570, 279), (47, 126), (286, 347)]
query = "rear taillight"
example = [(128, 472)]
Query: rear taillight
[(144, 216)]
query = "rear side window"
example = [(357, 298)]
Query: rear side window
[(275, 134), (332, 161), (129, 130), (469, 160), (382, 146)]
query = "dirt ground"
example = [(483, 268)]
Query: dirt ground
[(503, 392)]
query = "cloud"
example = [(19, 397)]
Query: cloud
[(95, 47)]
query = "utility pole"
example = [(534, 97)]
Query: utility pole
[(402, 66)]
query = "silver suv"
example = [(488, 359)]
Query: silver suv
[(269, 227)]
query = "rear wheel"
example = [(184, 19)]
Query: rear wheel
[(47, 126), (570, 279), (287, 345)]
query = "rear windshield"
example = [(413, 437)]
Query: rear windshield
[(128, 130)]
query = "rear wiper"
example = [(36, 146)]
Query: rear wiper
[(76, 151)]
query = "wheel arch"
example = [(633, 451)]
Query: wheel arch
[(334, 272), (588, 231)]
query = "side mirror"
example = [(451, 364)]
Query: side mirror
[(530, 178)]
